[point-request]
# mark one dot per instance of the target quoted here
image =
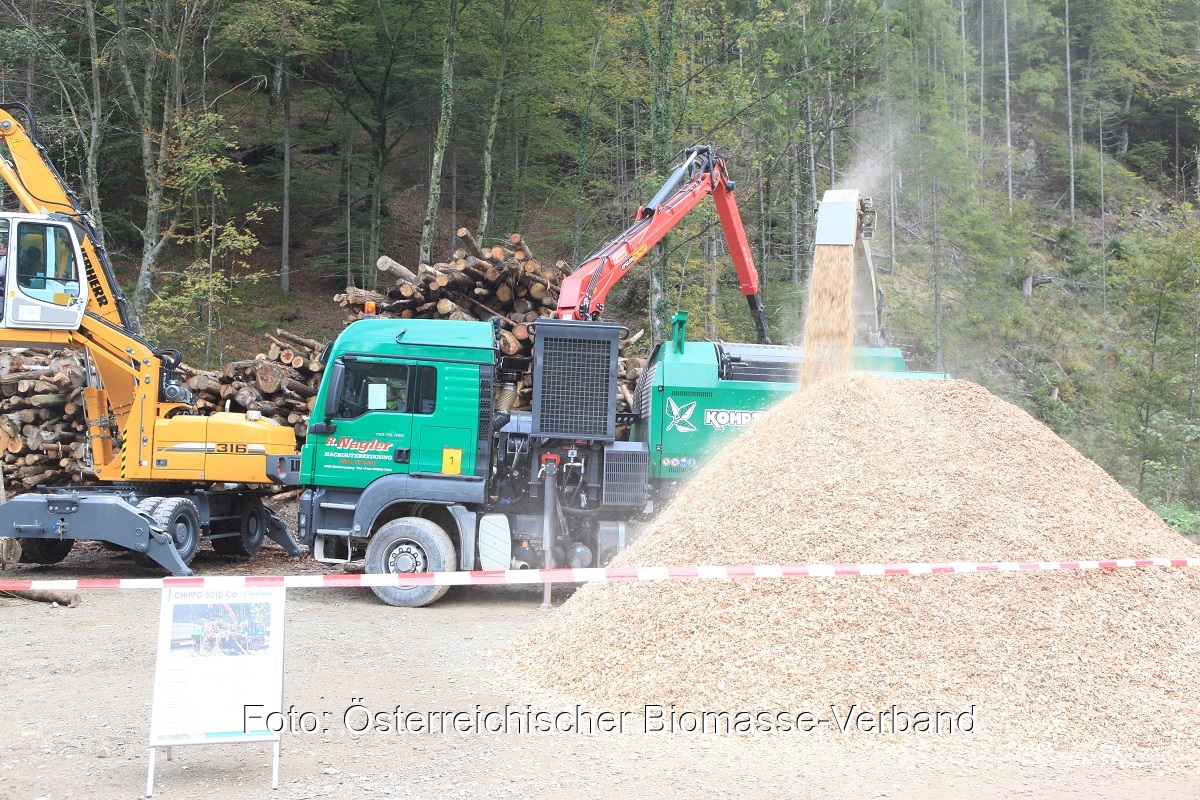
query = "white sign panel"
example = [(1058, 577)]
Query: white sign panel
[(220, 666)]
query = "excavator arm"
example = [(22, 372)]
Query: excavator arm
[(702, 173), (41, 190), (137, 381), (59, 291)]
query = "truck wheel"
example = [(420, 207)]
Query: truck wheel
[(251, 527), (180, 519), (409, 544), (45, 551)]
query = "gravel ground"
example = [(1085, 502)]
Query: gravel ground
[(75, 707)]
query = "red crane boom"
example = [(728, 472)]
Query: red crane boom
[(702, 173)]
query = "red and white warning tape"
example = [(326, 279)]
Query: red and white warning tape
[(493, 577)]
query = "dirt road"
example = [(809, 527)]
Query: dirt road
[(75, 706)]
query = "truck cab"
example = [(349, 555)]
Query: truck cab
[(408, 465)]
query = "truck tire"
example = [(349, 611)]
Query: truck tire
[(45, 551), (409, 544), (252, 525), (179, 517)]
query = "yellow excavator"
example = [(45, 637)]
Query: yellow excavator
[(167, 476)]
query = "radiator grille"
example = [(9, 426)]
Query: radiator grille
[(483, 447), (644, 391), (575, 383), (626, 468)]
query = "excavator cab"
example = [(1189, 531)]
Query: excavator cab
[(42, 268)]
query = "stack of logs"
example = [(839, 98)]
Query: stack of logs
[(281, 383), (475, 283), (43, 434), (504, 282), (43, 430)]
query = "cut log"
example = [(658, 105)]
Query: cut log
[(509, 344), (299, 387), (310, 344), (267, 378), (469, 244), (43, 400), (68, 599), (520, 248), (395, 269), (447, 308), (246, 397)]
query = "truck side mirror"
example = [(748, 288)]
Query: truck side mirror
[(333, 392)]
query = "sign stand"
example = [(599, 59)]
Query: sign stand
[(170, 757), (219, 674)]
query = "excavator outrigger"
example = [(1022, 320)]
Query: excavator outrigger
[(166, 475), (702, 173)]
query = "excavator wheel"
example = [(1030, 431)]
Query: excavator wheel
[(252, 526), (148, 504), (180, 518), (45, 551)]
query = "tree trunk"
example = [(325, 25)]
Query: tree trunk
[(714, 275), (1008, 167), (31, 59), (1123, 140), (286, 213), (489, 141), (966, 117), (1103, 230), (794, 213), (95, 120), (808, 114), (1070, 107), (982, 95), (939, 364), (581, 157), (443, 136), (381, 161), (660, 50), (168, 40)]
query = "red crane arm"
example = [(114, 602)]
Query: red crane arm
[(702, 173)]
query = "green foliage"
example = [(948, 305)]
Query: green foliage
[(1147, 159), (191, 310), (1180, 516)]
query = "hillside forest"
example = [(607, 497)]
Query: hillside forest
[(1033, 163)]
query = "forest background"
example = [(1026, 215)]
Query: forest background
[(1033, 163)]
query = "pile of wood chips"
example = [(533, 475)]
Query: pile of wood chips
[(1101, 665)]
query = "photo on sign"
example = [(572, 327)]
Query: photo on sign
[(220, 629)]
